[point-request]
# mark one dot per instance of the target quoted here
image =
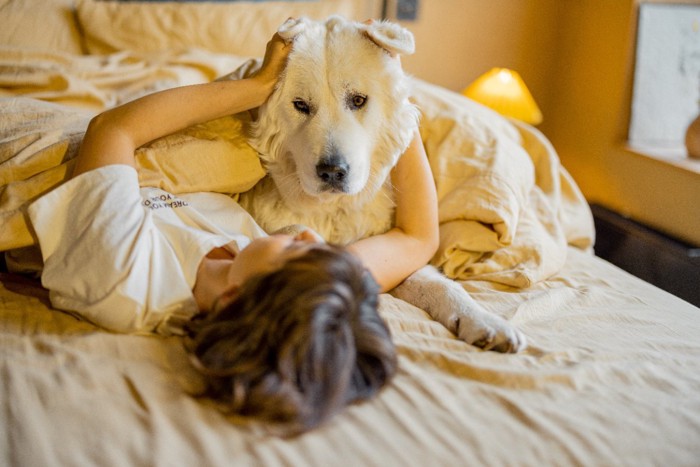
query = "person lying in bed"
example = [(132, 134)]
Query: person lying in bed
[(284, 327)]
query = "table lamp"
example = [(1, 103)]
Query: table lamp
[(504, 91)]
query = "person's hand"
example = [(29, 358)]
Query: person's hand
[(300, 232), (275, 59)]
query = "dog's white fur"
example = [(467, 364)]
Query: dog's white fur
[(329, 136)]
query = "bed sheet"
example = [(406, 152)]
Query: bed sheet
[(612, 377)]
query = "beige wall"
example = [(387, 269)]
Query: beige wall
[(588, 120), (458, 40), (577, 59)]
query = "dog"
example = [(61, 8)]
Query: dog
[(329, 136)]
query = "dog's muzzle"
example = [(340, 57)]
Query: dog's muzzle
[(333, 173)]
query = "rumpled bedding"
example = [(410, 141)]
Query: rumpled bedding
[(98, 82), (508, 209)]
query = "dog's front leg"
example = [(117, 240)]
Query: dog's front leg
[(449, 304)]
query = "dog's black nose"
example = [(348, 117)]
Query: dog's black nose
[(332, 171)]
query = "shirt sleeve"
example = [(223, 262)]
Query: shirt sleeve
[(104, 258)]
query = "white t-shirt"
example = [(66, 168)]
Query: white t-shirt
[(126, 258)]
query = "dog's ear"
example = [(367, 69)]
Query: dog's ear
[(390, 37), (290, 28)]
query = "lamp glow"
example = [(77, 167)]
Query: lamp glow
[(504, 91)]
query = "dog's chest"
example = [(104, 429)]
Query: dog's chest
[(341, 222)]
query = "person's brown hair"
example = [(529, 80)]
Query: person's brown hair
[(298, 344)]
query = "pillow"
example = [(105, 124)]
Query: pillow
[(40, 24), (239, 28), (212, 156)]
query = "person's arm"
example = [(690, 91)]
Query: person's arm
[(113, 136), (394, 255)]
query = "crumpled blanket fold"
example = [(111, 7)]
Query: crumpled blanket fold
[(98, 82), (507, 207)]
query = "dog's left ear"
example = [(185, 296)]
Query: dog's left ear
[(390, 37)]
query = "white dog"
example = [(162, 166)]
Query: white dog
[(329, 136)]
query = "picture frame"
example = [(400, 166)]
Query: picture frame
[(666, 86)]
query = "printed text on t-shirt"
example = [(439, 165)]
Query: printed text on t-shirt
[(166, 200)]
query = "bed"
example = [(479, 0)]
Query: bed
[(612, 373)]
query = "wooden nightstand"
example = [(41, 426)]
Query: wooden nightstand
[(648, 254)]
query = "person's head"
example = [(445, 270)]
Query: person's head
[(296, 343)]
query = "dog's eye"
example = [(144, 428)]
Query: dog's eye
[(357, 101), (301, 106)]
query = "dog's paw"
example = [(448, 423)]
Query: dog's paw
[(449, 304), (489, 332)]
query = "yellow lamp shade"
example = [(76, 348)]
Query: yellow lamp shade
[(504, 91)]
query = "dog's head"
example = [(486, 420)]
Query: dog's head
[(340, 116)]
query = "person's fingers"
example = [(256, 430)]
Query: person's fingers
[(309, 235)]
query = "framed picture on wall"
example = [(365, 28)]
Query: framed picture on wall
[(666, 90)]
